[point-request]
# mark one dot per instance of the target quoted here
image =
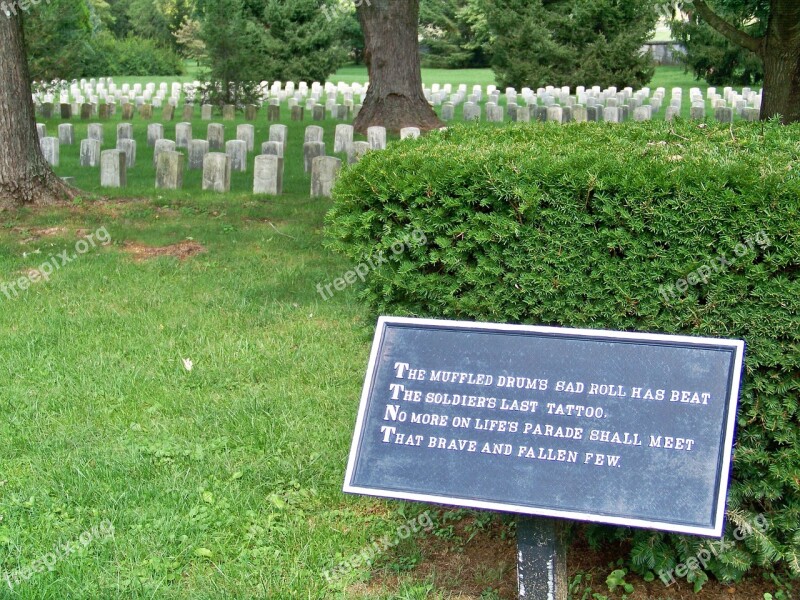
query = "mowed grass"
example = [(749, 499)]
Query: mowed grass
[(220, 482)]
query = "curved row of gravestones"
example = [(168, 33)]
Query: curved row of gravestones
[(100, 98), (206, 154), (89, 110), (544, 104)]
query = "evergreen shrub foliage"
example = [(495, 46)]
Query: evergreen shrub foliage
[(591, 225)]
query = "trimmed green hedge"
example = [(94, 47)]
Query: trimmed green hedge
[(678, 228)]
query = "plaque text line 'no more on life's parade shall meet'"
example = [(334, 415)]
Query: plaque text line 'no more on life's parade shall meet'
[(614, 427)]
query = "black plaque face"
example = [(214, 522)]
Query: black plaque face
[(622, 428)]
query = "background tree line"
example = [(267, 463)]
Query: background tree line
[(559, 42)]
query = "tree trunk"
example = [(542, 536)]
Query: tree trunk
[(391, 50), (778, 49), (25, 176), (781, 56)]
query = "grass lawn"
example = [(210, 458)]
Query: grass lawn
[(223, 481), (470, 77), (219, 481)]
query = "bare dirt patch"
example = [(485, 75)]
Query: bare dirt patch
[(48, 231), (167, 211), (181, 251), (35, 233)]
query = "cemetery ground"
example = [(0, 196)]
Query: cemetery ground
[(179, 402)]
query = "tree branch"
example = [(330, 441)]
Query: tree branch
[(735, 35)]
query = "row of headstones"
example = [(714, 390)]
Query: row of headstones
[(217, 168), (597, 105), (100, 98), (547, 95), (352, 94), (215, 140), (555, 112), (746, 105), (105, 89), (170, 174), (550, 110), (319, 112)]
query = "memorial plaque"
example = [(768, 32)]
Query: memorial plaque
[(612, 427)]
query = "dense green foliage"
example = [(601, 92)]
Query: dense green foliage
[(303, 40), (714, 58), (592, 226), (156, 20), (571, 42), (233, 43), (454, 34), (131, 56), (294, 41), (86, 47), (62, 24)]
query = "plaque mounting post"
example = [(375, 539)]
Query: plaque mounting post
[(541, 559)]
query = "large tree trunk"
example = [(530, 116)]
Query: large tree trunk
[(25, 176), (781, 56), (779, 50), (391, 50)]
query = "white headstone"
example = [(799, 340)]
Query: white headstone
[(312, 150), (278, 133), (66, 134), (128, 146), (273, 148), (216, 136), (376, 136), (217, 172), (268, 177), (124, 131), (343, 138), (155, 132), (183, 135), (51, 150), (169, 170), (237, 150), (162, 145), (197, 152), (314, 133), (324, 170), (246, 133), (409, 132), (90, 153), (95, 132), (113, 169)]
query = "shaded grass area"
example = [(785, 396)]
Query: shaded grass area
[(209, 476)]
